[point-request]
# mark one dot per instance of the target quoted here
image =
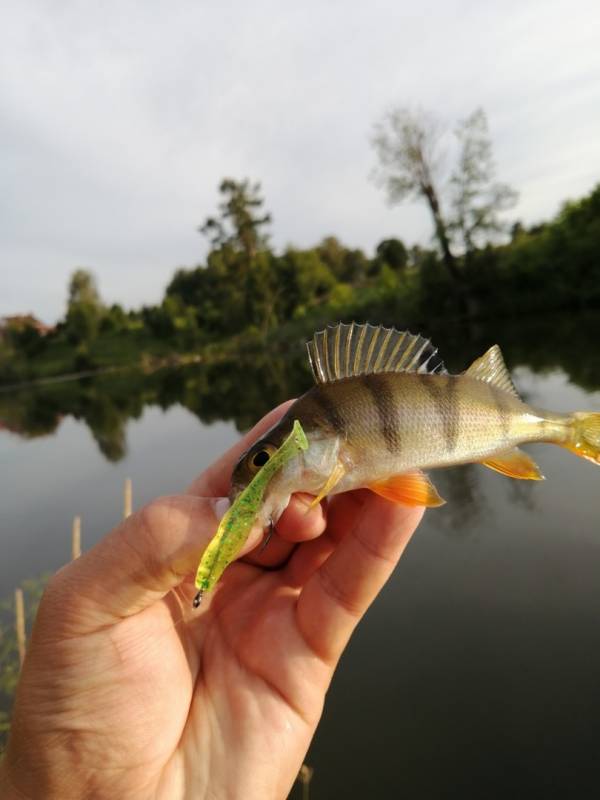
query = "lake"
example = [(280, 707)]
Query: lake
[(475, 674)]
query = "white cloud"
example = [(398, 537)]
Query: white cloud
[(119, 120)]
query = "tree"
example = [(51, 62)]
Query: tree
[(24, 334), (239, 243), (303, 279), (83, 289), (114, 319), (160, 320), (84, 308), (476, 200), (408, 146), (239, 223), (392, 252), (346, 265)]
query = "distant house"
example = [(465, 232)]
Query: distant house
[(18, 322)]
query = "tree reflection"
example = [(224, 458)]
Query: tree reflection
[(522, 494), (242, 389), (461, 487)]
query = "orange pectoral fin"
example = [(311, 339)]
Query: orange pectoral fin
[(410, 489), (516, 464)]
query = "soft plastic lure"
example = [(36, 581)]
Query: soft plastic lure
[(235, 527)]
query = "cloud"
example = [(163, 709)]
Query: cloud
[(120, 119)]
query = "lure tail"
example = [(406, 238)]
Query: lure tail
[(584, 435)]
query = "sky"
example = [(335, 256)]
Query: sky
[(118, 120)]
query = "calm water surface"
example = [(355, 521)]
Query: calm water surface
[(476, 673)]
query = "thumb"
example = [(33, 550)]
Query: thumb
[(150, 553)]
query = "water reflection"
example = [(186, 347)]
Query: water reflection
[(461, 487), (242, 390)]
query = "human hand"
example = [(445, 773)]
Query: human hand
[(126, 692)]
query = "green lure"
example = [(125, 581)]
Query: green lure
[(235, 527)]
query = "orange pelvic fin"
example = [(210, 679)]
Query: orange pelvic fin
[(410, 489), (335, 477), (516, 464)]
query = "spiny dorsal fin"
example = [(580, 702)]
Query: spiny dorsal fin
[(343, 351), (490, 367)]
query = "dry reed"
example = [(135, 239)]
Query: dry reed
[(76, 539), (127, 498), (305, 777), (20, 623)]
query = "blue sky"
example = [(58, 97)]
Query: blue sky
[(118, 120)]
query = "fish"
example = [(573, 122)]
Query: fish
[(384, 410)]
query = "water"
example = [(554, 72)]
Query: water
[(475, 674)]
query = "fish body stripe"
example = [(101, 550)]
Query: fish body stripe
[(443, 392), (387, 409), (320, 396)]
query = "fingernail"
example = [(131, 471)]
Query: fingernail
[(221, 505)]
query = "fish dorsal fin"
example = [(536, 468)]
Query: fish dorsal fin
[(490, 367), (344, 351)]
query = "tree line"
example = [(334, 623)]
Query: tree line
[(479, 264)]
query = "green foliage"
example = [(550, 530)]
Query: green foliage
[(114, 319), (238, 301), (238, 226), (24, 337), (303, 279), (83, 289), (84, 308), (551, 266), (349, 266), (160, 320), (82, 323), (393, 253)]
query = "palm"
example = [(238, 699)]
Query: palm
[(179, 688), (260, 687)]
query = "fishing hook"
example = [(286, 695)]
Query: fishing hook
[(270, 532)]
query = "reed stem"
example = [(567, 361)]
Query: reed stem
[(127, 498), (305, 777), (20, 623), (76, 539)]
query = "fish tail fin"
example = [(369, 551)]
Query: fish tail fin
[(584, 439)]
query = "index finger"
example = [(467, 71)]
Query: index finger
[(215, 480)]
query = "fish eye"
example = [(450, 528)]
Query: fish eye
[(260, 458)]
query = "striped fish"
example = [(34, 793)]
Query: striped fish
[(383, 409)]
